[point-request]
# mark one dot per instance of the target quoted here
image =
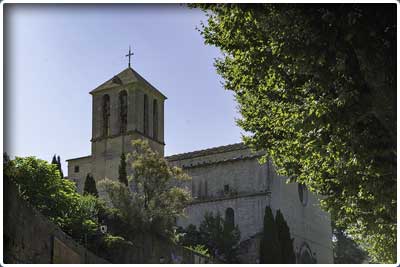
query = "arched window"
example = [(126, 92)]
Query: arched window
[(303, 194), (155, 119), (106, 115), (123, 111), (230, 217), (146, 115), (305, 255)]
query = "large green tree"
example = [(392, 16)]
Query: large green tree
[(345, 250), (159, 194), (316, 87), (40, 184)]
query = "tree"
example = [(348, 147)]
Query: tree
[(270, 246), (90, 186), (159, 197), (190, 236), (316, 88), (39, 183), (122, 177), (345, 250), (286, 243), (219, 237), (59, 166), (57, 161), (54, 160)]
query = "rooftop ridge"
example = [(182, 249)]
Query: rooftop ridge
[(207, 151)]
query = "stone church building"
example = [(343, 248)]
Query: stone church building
[(228, 179)]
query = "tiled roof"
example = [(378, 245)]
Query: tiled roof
[(126, 76), (206, 152), (79, 158)]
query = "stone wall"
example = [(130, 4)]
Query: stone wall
[(309, 225), (84, 165), (248, 212), (29, 237), (255, 186)]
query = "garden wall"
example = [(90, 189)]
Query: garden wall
[(29, 237)]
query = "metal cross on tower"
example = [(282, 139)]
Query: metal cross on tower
[(129, 56)]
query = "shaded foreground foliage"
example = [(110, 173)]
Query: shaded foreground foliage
[(316, 87), (219, 237)]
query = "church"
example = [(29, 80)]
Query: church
[(226, 179)]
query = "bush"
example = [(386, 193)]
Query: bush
[(218, 237), (40, 184)]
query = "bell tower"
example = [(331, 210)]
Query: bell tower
[(125, 108)]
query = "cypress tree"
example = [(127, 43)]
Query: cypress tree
[(270, 251), (286, 242), (123, 177), (54, 160), (59, 166), (90, 186)]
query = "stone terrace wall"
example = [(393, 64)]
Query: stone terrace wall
[(29, 237)]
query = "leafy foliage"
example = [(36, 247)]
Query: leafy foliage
[(90, 186), (345, 250), (157, 200), (316, 87), (220, 238), (201, 249), (123, 176), (40, 184)]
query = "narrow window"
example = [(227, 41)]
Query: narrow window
[(230, 217), (303, 194), (199, 192), (193, 188), (145, 115), (226, 189), (123, 111), (155, 119), (76, 169), (106, 115), (205, 189)]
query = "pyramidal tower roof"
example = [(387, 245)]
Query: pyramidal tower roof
[(125, 77)]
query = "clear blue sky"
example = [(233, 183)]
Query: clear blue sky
[(58, 53)]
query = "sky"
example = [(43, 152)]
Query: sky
[(56, 54)]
